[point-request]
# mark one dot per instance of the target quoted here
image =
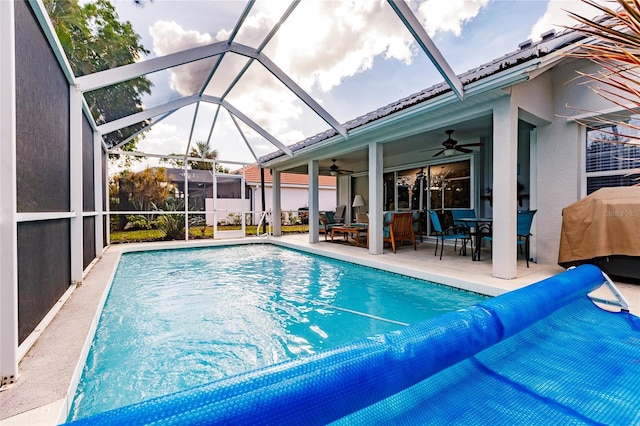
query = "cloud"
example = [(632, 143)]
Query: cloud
[(340, 40), (448, 15), (169, 37), (556, 16), (321, 44), (164, 138)]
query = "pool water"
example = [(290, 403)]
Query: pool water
[(175, 319)]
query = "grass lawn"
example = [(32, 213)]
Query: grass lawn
[(194, 233)]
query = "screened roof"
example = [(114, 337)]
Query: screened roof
[(255, 77)]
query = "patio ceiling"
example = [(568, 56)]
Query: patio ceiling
[(217, 68)]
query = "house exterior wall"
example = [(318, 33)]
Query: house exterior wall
[(560, 151), (295, 197)]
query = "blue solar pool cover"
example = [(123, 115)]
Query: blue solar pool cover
[(544, 354)]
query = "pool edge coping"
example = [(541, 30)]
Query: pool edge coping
[(117, 250)]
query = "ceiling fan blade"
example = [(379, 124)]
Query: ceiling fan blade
[(439, 153), (472, 144), (461, 149)]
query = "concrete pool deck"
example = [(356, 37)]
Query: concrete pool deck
[(48, 370)]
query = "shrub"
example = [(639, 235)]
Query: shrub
[(172, 224)]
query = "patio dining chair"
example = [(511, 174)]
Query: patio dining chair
[(464, 227), (417, 223), (523, 231), (446, 234), (398, 227)]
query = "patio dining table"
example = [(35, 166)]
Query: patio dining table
[(482, 227)]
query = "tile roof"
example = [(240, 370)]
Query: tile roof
[(550, 42), (252, 175)]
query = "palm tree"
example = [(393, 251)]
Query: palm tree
[(616, 51), (202, 150)]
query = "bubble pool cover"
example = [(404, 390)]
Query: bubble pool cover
[(544, 354)]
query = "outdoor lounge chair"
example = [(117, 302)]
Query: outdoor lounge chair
[(398, 227), (327, 221), (339, 214), (446, 234)]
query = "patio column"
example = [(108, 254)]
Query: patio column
[(75, 183), (533, 188), (8, 218), (375, 198), (276, 202), (314, 205), (505, 205), (97, 192)]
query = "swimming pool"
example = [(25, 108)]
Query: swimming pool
[(175, 319)]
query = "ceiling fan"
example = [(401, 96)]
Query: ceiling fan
[(334, 170), (451, 146)]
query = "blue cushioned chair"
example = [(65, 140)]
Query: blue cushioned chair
[(525, 219), (463, 227), (417, 223), (448, 234), (327, 221)]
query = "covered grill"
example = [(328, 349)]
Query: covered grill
[(603, 229)]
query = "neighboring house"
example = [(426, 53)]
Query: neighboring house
[(294, 192), (525, 123), (294, 189)]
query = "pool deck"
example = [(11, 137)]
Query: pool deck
[(48, 370)]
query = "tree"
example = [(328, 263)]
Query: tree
[(202, 150), (139, 191), (616, 51), (94, 39)]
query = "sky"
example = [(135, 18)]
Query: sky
[(351, 56)]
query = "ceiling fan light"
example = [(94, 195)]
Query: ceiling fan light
[(449, 152), (333, 173)]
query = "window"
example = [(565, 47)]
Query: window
[(612, 156), (449, 187), (438, 187)]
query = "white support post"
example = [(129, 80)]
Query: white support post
[(8, 223), (276, 198), (107, 206), (97, 192), (533, 189), (75, 183), (375, 198), (505, 202), (186, 199), (242, 203), (314, 205), (214, 175)]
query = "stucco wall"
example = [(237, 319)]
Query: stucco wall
[(292, 198), (560, 150)]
